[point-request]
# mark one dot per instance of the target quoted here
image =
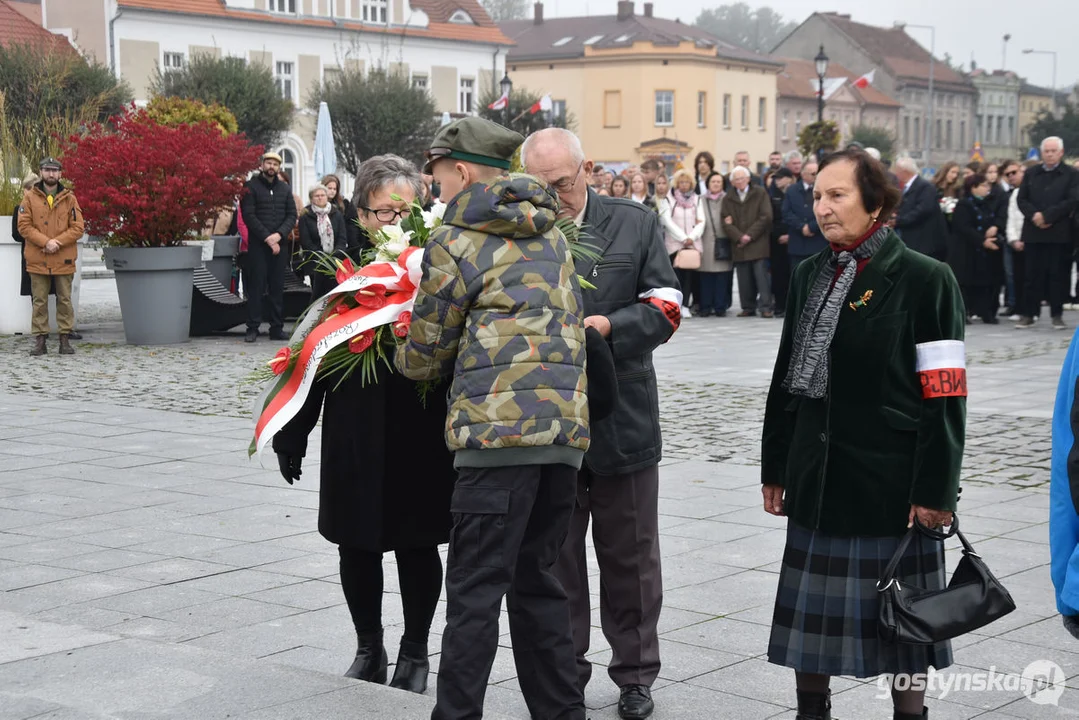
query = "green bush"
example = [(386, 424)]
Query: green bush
[(875, 137), (174, 111), (818, 136)]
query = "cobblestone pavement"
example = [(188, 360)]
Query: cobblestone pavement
[(148, 568)]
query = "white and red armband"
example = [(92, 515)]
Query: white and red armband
[(942, 368), (668, 300)]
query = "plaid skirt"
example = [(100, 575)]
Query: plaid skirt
[(825, 619)]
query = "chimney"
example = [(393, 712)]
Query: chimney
[(537, 13), (625, 9), (648, 9)]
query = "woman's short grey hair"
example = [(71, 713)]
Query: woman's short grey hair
[(564, 137), (315, 188), (385, 171), (740, 170)]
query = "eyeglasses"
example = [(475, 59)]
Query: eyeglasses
[(388, 215), (566, 184), (1011, 172)]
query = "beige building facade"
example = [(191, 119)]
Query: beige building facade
[(642, 87)]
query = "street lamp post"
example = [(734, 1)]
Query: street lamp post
[(506, 85), (822, 69), (1029, 51), (932, 62)]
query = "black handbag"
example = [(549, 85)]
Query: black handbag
[(722, 250), (973, 598)]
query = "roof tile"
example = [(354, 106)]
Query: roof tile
[(799, 77), (17, 29)]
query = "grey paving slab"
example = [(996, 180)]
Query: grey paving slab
[(28, 638)]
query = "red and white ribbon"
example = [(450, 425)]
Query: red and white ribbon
[(942, 368), (280, 402)]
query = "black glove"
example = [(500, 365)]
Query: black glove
[(290, 466)]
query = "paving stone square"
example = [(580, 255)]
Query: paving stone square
[(148, 568)]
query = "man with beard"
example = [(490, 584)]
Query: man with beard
[(775, 161), (50, 222), (269, 211)]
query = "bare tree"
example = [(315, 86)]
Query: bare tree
[(501, 10), (759, 30)]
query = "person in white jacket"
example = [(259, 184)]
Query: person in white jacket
[(1014, 232), (683, 222)]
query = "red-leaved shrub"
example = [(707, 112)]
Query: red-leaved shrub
[(142, 184)]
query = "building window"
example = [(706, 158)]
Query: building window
[(419, 82), (374, 11), (797, 124), (762, 114), (283, 77), (465, 100), (283, 6), (664, 108), (727, 111), (460, 17), (173, 61), (1011, 131), (612, 109), (948, 135), (745, 112), (1000, 130), (906, 131), (558, 109), (786, 117), (918, 139), (962, 134), (702, 109), (288, 164), (331, 75)]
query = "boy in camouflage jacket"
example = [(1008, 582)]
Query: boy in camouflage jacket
[(499, 310)]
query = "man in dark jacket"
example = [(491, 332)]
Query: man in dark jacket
[(636, 306), (806, 238), (499, 311), (269, 211), (779, 238), (919, 220), (1047, 198)]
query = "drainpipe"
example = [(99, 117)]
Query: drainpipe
[(112, 42), (494, 71)]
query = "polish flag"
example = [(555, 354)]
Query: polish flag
[(500, 103), (544, 103), (942, 369), (866, 80)]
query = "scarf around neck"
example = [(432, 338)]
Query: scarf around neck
[(685, 201), (325, 227), (716, 196), (809, 367)]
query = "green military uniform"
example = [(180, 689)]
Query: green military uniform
[(499, 311)]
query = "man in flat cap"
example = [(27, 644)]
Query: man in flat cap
[(50, 222), (499, 311), (269, 211)]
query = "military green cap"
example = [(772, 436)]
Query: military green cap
[(474, 140), (50, 163)]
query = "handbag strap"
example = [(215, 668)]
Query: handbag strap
[(888, 577)]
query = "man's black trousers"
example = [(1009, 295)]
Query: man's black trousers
[(264, 279)]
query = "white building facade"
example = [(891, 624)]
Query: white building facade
[(449, 47)]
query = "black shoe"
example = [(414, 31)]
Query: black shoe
[(781, 314), (635, 702), (371, 661), (748, 313), (251, 335), (923, 715), (412, 667), (706, 313), (814, 706), (1071, 624), (39, 346), (991, 320), (278, 335), (75, 335)]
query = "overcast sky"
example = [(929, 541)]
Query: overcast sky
[(962, 27)]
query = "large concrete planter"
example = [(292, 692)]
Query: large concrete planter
[(15, 308), (154, 285), (225, 249)]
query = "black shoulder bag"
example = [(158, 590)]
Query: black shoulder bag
[(973, 598)]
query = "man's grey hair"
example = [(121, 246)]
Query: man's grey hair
[(382, 171), (741, 152), (563, 137), (907, 164), (1055, 139), (315, 188), (792, 155), (740, 170), (873, 153)]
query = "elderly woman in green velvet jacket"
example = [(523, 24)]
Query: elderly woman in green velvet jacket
[(863, 431)]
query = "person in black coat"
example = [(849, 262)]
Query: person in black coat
[(974, 225), (347, 208), (269, 211), (386, 474), (919, 220), (1047, 198), (779, 238), (322, 230), (806, 238)]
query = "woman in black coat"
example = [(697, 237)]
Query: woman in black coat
[(322, 229), (386, 474), (974, 229), (348, 210)]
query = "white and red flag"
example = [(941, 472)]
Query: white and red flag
[(544, 103), (500, 103), (866, 80)]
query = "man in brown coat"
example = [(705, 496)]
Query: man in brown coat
[(747, 217), (50, 221)]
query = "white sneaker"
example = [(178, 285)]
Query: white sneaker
[(686, 313), (1014, 318)]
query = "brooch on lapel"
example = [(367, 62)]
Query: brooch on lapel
[(862, 301)]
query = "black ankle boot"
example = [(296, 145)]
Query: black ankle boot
[(814, 706), (923, 715), (371, 661), (412, 667)]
